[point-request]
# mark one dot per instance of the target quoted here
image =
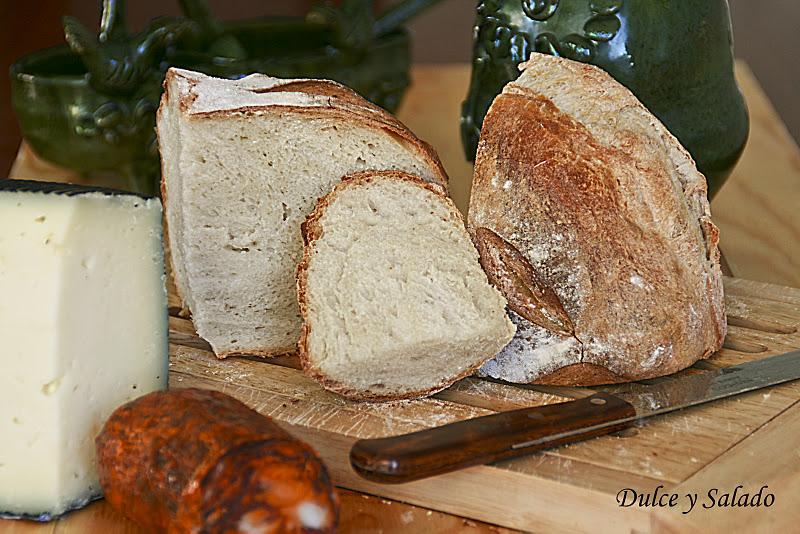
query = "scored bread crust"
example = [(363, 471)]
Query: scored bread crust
[(619, 212), (329, 99), (311, 231)]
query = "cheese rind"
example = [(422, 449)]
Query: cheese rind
[(83, 329)]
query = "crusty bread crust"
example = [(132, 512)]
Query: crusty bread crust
[(261, 353), (581, 374), (619, 227), (334, 100), (311, 231), (331, 100), (163, 188)]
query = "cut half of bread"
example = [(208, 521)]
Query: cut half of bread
[(394, 301), (593, 221), (243, 164)]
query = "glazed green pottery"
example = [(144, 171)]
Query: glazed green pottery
[(90, 105), (675, 56), (67, 121)]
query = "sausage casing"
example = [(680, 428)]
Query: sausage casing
[(192, 460)]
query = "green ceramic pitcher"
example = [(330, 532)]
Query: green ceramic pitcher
[(676, 56)]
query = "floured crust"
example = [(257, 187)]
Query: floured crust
[(301, 96), (311, 231), (611, 214)]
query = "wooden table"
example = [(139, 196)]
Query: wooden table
[(761, 238)]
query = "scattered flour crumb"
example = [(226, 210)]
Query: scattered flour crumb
[(638, 281), (533, 352), (658, 355), (507, 185)]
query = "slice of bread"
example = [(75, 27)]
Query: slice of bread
[(243, 164), (394, 301), (594, 222)]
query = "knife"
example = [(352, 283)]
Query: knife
[(505, 435)]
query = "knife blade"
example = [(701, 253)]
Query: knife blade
[(505, 435)]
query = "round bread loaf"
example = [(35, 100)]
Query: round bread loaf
[(593, 222)]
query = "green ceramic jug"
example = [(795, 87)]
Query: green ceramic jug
[(675, 56)]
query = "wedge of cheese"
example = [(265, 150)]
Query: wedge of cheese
[(83, 329)]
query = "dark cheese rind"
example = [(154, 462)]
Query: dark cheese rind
[(57, 188), (44, 517)]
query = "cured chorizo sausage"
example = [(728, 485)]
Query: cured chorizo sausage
[(192, 460)]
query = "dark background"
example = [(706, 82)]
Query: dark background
[(766, 32)]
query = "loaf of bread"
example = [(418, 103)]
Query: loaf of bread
[(193, 460), (394, 301), (594, 223), (243, 164)]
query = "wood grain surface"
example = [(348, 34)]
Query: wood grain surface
[(572, 488), (360, 513), (761, 237), (543, 492), (758, 210)]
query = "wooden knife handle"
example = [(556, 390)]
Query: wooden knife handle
[(488, 439)]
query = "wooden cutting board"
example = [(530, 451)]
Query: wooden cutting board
[(750, 440)]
